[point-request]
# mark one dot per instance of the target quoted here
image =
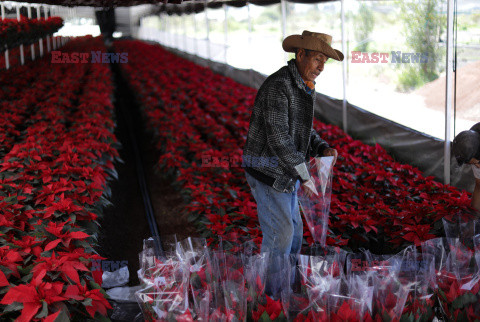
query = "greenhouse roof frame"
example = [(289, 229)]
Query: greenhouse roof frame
[(196, 3)]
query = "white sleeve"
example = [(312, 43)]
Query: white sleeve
[(476, 172)]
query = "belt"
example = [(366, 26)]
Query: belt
[(260, 176)]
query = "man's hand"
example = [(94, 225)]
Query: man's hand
[(309, 187), (329, 152), (476, 195)]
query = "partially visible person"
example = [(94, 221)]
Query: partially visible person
[(466, 149)]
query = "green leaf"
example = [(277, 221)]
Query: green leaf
[(265, 317), (62, 317), (15, 306), (27, 278), (281, 317), (233, 193), (193, 217), (98, 287), (95, 285), (11, 199), (463, 300), (101, 318), (44, 312), (25, 270), (87, 302)]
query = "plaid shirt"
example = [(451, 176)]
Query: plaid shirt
[(280, 136)]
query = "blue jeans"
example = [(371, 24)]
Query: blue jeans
[(279, 217)]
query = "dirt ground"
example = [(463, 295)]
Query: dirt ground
[(468, 92), (124, 226)]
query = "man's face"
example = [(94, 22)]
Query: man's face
[(312, 65), (475, 162)]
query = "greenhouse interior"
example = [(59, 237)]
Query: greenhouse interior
[(240, 160)]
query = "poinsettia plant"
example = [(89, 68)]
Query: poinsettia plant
[(15, 32), (54, 173)]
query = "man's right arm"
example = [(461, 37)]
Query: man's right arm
[(476, 195)]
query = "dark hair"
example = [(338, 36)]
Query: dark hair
[(466, 145), (307, 51)]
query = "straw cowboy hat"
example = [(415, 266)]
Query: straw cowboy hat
[(313, 41)]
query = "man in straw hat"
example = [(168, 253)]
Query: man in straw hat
[(281, 137), (466, 149)]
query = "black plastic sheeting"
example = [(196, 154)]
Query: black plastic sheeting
[(404, 144), (106, 21)]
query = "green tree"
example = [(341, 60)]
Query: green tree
[(363, 24), (423, 25)]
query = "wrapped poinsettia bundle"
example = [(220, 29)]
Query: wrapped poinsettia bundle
[(229, 291), (166, 285), (416, 272), (315, 209), (165, 296), (317, 281), (196, 283), (381, 273), (458, 277)]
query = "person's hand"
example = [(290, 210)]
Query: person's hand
[(309, 187), (329, 152)]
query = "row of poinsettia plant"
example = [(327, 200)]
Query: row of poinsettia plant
[(200, 120), (57, 156), (14, 32)]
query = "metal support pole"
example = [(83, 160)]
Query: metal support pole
[(172, 31), (7, 57), (184, 29), (53, 38), (168, 31), (208, 31), (225, 32), (448, 92), (284, 25), (48, 37), (22, 56), (164, 15), (53, 12), (165, 34), (40, 41), (177, 42), (250, 44), (344, 69), (32, 46), (195, 33)]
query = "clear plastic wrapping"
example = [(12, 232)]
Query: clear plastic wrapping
[(195, 283), (315, 209)]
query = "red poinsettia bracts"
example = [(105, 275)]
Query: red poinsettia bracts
[(56, 157), (14, 32)]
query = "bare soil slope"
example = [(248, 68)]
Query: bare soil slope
[(468, 92)]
